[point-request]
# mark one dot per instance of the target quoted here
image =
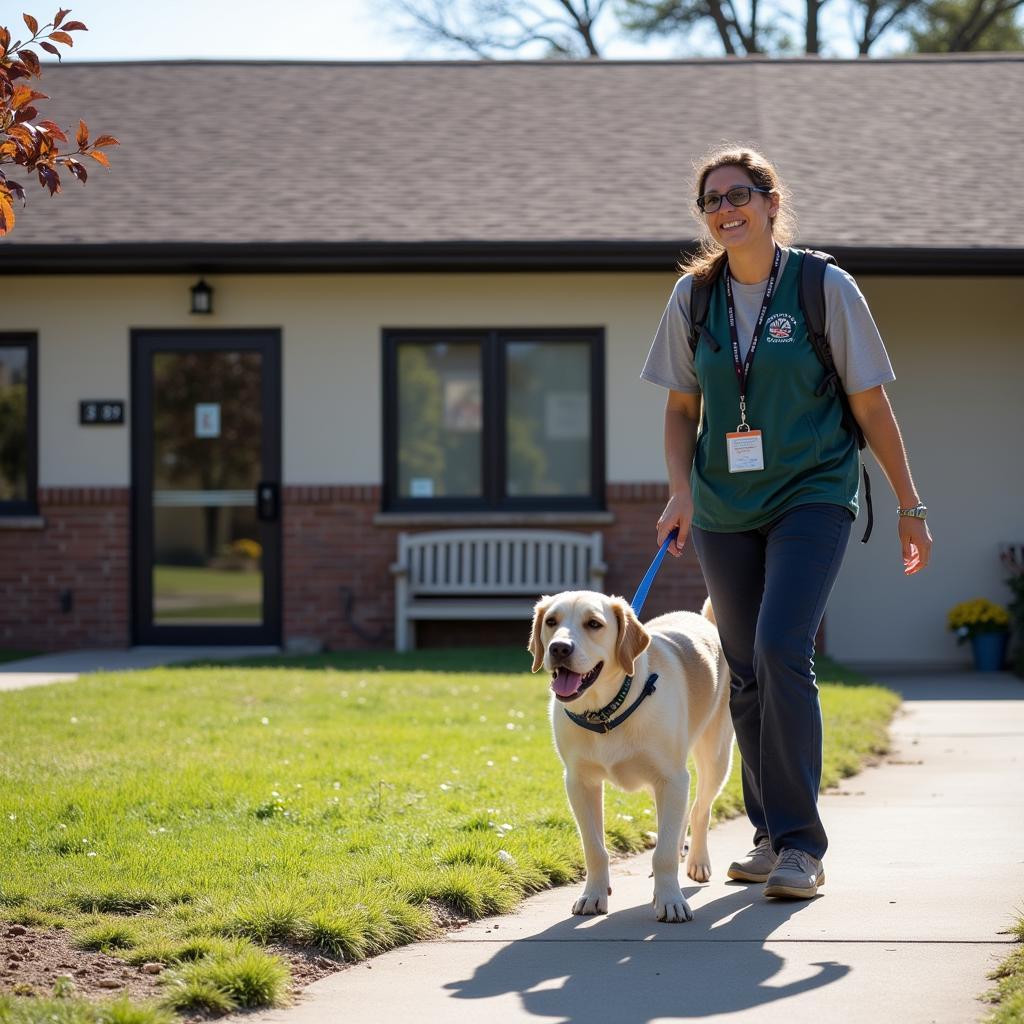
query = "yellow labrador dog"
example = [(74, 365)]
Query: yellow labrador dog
[(591, 644)]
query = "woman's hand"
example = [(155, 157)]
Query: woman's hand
[(916, 542), (678, 515)]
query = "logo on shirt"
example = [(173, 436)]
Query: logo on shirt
[(780, 327)]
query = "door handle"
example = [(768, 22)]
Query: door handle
[(268, 501)]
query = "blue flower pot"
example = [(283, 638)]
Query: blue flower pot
[(989, 651)]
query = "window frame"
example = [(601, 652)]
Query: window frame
[(493, 363), (30, 506)]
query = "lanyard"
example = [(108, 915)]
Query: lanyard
[(743, 368)]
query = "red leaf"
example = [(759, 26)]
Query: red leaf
[(50, 48), (6, 214), (31, 61), (82, 135), (53, 129), (23, 94), (75, 26), (33, 25), (106, 140), (78, 170), (5, 39), (26, 114), (100, 158), (48, 178), (8, 151), (60, 16), (22, 133), (16, 190), (17, 70), (62, 37)]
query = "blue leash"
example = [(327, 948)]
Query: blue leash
[(645, 584)]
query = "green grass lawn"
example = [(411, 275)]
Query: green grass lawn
[(191, 815), (187, 593)]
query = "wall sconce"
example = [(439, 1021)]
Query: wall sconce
[(202, 297)]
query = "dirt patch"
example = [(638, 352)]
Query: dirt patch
[(32, 960)]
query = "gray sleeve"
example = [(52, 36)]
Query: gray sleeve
[(670, 361), (857, 347)]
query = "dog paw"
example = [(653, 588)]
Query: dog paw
[(591, 903), (671, 906), (699, 871)]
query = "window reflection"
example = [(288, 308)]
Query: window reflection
[(440, 420), (548, 430)]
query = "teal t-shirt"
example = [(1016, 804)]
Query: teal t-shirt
[(809, 457)]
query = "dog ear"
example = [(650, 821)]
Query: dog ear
[(536, 646), (633, 638)]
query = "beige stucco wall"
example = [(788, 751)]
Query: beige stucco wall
[(331, 329), (954, 344), (956, 347)]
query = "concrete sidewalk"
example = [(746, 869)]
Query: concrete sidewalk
[(67, 666), (925, 871)]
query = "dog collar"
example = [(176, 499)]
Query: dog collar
[(601, 720)]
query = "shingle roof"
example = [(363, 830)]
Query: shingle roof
[(254, 158)]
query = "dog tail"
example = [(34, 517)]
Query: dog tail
[(708, 612)]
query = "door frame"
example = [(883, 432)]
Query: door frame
[(144, 343)]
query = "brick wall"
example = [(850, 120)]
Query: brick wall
[(83, 549), (338, 588)]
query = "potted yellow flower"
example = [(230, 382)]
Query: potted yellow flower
[(987, 625)]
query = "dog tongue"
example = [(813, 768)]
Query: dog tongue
[(566, 683)]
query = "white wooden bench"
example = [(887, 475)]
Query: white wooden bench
[(487, 574)]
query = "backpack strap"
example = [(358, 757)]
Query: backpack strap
[(812, 303), (700, 303)]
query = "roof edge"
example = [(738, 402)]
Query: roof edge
[(960, 57), (461, 257)]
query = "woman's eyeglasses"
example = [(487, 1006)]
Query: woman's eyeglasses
[(738, 196)]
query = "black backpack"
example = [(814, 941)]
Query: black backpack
[(811, 291)]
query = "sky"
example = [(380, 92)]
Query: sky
[(252, 30), (276, 30)]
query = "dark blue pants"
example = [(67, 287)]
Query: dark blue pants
[(769, 588)]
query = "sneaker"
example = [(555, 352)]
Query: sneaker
[(797, 874), (756, 866)]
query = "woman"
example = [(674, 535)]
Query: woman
[(766, 484)]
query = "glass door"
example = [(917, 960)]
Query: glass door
[(206, 473)]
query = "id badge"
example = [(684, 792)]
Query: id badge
[(745, 451)]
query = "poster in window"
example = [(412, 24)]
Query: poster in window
[(463, 405), (567, 416), (208, 419)]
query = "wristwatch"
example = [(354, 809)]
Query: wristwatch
[(918, 511)]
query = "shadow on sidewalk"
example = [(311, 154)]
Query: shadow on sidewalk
[(627, 967)]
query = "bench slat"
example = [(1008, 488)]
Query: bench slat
[(473, 574)]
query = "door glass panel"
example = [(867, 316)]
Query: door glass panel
[(207, 442), (13, 423), (440, 420), (548, 443)]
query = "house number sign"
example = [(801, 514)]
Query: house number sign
[(101, 412)]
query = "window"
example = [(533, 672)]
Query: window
[(501, 420), (17, 424)]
